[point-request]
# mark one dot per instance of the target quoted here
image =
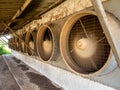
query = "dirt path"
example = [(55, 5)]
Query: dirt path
[(7, 82), (27, 78)]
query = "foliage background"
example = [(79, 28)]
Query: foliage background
[(4, 49)]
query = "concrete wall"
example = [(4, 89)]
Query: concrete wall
[(112, 6), (66, 79), (65, 9)]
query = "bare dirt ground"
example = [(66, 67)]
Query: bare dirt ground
[(26, 77), (7, 82)]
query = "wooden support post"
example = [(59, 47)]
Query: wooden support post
[(115, 44), (18, 37)]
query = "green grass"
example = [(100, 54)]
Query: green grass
[(4, 49)]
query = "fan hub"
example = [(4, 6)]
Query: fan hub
[(85, 47), (82, 43), (31, 44), (47, 46)]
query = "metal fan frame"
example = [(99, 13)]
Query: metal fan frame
[(39, 38), (64, 45), (27, 39)]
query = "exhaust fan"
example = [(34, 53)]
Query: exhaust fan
[(84, 46), (30, 40), (45, 43)]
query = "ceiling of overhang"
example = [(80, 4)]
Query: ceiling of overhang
[(17, 13)]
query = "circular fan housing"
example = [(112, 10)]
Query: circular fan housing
[(22, 45), (31, 42), (17, 43), (83, 44), (14, 43), (45, 46), (10, 43)]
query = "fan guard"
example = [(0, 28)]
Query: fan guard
[(10, 43), (88, 45), (31, 42), (23, 47), (17, 43), (83, 44), (14, 43), (20, 43), (44, 43)]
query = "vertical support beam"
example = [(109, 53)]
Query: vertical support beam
[(115, 45)]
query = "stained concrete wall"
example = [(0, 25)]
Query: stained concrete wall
[(66, 79), (112, 6), (65, 9)]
